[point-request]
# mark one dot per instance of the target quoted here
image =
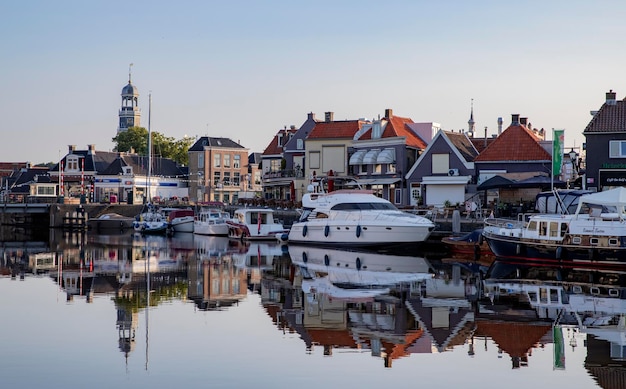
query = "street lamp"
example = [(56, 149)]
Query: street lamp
[(573, 157)]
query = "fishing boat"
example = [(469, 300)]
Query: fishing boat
[(254, 224), (356, 218), (595, 233), (211, 220)]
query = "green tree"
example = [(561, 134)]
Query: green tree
[(136, 138)]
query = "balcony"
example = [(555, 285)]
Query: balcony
[(281, 175)]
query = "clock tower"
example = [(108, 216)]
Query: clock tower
[(130, 115)]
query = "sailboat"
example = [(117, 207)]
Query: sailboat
[(151, 220)]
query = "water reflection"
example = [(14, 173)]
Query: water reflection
[(389, 307)]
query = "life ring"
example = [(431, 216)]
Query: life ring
[(304, 230), (304, 257), (358, 231), (326, 231), (358, 263), (326, 260)]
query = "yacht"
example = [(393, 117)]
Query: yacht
[(211, 220), (356, 218), (254, 224)]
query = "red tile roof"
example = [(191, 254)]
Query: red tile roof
[(397, 127), (516, 143), (335, 129), (514, 338), (274, 148)]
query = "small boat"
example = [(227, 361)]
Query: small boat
[(595, 233), (356, 218), (211, 220), (180, 219), (469, 246), (111, 221), (152, 221), (254, 224)]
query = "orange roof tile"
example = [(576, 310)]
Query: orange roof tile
[(397, 127), (516, 143), (274, 148), (335, 129), (514, 338)]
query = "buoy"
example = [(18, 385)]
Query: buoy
[(358, 231), (326, 231)]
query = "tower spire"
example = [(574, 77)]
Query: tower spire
[(129, 67), (470, 122)]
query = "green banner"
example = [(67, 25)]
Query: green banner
[(558, 148), (559, 348)]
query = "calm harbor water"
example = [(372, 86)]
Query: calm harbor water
[(120, 310)]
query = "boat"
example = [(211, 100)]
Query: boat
[(211, 220), (151, 221), (254, 224), (356, 217), (595, 233), (180, 219), (110, 221), (469, 246)]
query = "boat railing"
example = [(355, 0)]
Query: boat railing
[(504, 223)]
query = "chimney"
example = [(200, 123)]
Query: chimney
[(71, 149), (610, 98), (485, 136), (310, 116), (499, 125), (523, 122), (515, 119), (92, 149), (389, 113), (328, 116)]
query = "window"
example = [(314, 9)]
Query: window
[(397, 196), (440, 163), (236, 178), (236, 161), (217, 160), (226, 160), (363, 169), (216, 177), (275, 165), (617, 149), (226, 178), (201, 160), (391, 168), (72, 163), (377, 169), (300, 144), (314, 160)]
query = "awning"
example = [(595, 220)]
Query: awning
[(386, 156), (371, 157), (377, 181), (357, 158)]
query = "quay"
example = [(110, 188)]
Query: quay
[(76, 216)]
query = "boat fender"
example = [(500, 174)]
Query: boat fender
[(304, 230), (326, 260), (358, 231), (518, 249), (559, 252), (304, 257), (358, 263), (326, 231)]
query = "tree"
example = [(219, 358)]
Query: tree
[(136, 138)]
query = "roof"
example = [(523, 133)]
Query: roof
[(274, 147), (481, 143), (160, 166), (336, 129), (398, 126), (463, 144), (130, 90), (208, 141), (515, 338), (538, 181), (516, 143), (609, 118)]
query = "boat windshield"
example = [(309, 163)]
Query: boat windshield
[(364, 207)]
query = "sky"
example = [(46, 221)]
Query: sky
[(245, 69)]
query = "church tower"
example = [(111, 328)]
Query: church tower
[(130, 115), (470, 123)]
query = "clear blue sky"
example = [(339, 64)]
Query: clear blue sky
[(244, 69)]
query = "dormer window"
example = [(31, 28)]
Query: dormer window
[(300, 144), (128, 170), (72, 163)]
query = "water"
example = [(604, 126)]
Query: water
[(223, 314)]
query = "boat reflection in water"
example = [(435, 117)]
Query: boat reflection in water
[(582, 299)]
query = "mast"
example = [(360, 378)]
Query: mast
[(149, 181)]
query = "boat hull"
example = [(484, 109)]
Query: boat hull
[(182, 225), (214, 229), (352, 235)]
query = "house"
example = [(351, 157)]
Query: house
[(29, 184), (605, 137), (383, 150), (278, 180), (218, 170), (294, 153), (115, 176), (443, 170)]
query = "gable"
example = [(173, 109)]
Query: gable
[(611, 118), (515, 143)]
